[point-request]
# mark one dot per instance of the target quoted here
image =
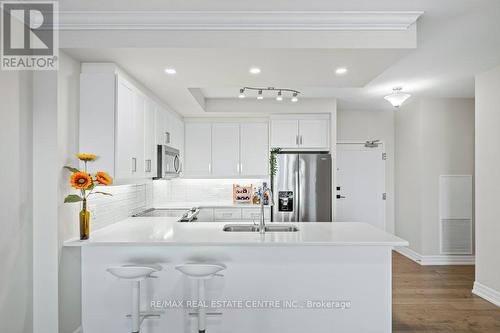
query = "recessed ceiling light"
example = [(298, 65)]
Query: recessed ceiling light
[(341, 70), (170, 71), (254, 70)]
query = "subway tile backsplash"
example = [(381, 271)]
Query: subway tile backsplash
[(131, 199), (196, 190), (126, 201)]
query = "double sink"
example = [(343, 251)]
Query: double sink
[(256, 228)]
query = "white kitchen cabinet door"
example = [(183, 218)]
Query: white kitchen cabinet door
[(225, 149), (254, 149), (124, 149), (137, 135), (314, 133), (284, 133), (176, 132), (149, 139), (198, 146)]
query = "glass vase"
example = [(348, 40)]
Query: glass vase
[(84, 222)]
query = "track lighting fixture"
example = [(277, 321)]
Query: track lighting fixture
[(279, 98), (242, 93), (281, 92)]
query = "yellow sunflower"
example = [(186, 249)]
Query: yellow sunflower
[(86, 157), (80, 180), (103, 178)]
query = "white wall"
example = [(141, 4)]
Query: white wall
[(16, 251), (360, 126), (433, 137), (488, 180)]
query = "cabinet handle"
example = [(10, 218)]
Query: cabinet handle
[(167, 138), (148, 165), (209, 167), (134, 164), (300, 141), (241, 167), (297, 140)]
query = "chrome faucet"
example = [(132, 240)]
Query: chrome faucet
[(265, 189)]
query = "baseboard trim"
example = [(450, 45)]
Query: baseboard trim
[(78, 330), (487, 293), (444, 259)]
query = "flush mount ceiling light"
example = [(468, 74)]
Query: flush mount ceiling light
[(254, 70), (170, 71), (341, 70), (397, 98), (279, 97)]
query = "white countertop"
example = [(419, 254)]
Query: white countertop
[(146, 231)]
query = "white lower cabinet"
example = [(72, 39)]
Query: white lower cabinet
[(254, 149), (206, 215), (233, 214)]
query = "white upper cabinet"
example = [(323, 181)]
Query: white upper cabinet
[(126, 161), (198, 149), (314, 133), (284, 133), (149, 139), (254, 149), (120, 123), (225, 149), (301, 132)]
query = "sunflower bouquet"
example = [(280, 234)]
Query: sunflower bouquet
[(86, 184)]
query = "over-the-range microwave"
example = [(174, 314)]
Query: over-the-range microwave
[(168, 162)]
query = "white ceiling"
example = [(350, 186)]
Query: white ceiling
[(456, 40), (220, 73)]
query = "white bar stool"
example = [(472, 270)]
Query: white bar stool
[(201, 273), (135, 274)]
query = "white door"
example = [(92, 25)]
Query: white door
[(314, 133), (149, 140), (198, 149), (254, 149), (284, 133), (124, 150), (360, 185), (225, 149)]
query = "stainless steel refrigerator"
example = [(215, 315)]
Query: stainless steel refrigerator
[(302, 188)]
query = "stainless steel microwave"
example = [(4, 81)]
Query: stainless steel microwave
[(169, 162)]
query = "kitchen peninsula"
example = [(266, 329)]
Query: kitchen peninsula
[(325, 275)]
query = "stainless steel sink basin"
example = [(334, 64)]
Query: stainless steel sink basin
[(255, 228)]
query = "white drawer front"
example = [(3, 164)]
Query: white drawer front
[(254, 213), (227, 214), (206, 215)]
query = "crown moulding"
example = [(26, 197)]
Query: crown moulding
[(238, 20)]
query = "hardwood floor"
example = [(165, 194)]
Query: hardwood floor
[(438, 299)]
